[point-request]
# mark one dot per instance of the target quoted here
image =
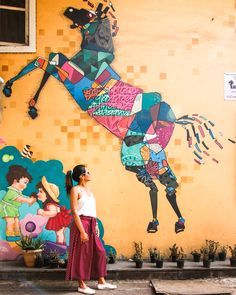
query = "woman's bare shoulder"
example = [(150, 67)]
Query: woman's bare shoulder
[(76, 190)]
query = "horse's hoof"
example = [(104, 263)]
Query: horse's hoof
[(32, 102), (179, 225), (7, 89), (152, 227), (33, 112)]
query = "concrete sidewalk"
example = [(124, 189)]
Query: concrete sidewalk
[(123, 270), (221, 286)]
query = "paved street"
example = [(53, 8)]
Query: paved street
[(131, 287), (67, 288)]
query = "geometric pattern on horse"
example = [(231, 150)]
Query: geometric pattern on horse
[(142, 120)]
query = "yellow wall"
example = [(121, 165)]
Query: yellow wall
[(180, 48)]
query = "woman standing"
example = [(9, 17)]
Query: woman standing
[(87, 256)]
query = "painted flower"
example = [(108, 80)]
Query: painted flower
[(32, 225)]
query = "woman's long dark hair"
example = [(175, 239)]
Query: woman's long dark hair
[(74, 175)]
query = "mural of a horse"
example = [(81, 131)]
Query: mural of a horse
[(143, 121)]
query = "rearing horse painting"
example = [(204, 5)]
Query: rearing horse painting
[(143, 121)]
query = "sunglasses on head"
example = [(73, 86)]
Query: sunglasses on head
[(87, 172)]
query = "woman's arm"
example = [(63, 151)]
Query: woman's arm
[(74, 196)]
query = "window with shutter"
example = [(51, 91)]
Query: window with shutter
[(17, 25)]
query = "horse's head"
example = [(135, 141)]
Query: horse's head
[(94, 25), (79, 17)]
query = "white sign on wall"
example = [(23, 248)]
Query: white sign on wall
[(230, 86)]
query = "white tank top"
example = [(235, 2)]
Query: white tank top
[(86, 204)]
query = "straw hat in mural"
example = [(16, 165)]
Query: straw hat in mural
[(51, 188)]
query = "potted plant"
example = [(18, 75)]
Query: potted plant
[(39, 261), (61, 263), (174, 252), (138, 255), (46, 258), (205, 256), (152, 254), (212, 246), (31, 248), (223, 252), (180, 258), (196, 255), (159, 259), (62, 260), (54, 259), (111, 257), (233, 255)]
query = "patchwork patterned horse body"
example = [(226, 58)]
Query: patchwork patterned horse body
[(143, 121)]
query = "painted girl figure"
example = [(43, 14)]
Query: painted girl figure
[(17, 178), (87, 256), (59, 217)]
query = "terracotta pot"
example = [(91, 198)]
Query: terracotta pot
[(30, 257)]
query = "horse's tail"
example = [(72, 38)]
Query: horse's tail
[(198, 130)]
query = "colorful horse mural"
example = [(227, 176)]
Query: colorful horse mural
[(143, 121)]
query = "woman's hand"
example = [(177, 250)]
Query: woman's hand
[(84, 237)]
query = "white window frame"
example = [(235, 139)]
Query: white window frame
[(30, 32)]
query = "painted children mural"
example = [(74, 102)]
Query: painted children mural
[(44, 214), (58, 216), (18, 179)]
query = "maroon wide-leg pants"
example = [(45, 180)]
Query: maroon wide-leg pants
[(85, 260)]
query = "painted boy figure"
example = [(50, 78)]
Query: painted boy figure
[(18, 178)]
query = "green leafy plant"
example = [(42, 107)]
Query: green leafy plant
[(180, 254), (174, 252), (138, 255), (152, 254), (205, 252), (196, 255), (111, 257), (152, 251), (212, 246), (54, 255), (232, 250), (159, 256), (209, 249), (30, 243)]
